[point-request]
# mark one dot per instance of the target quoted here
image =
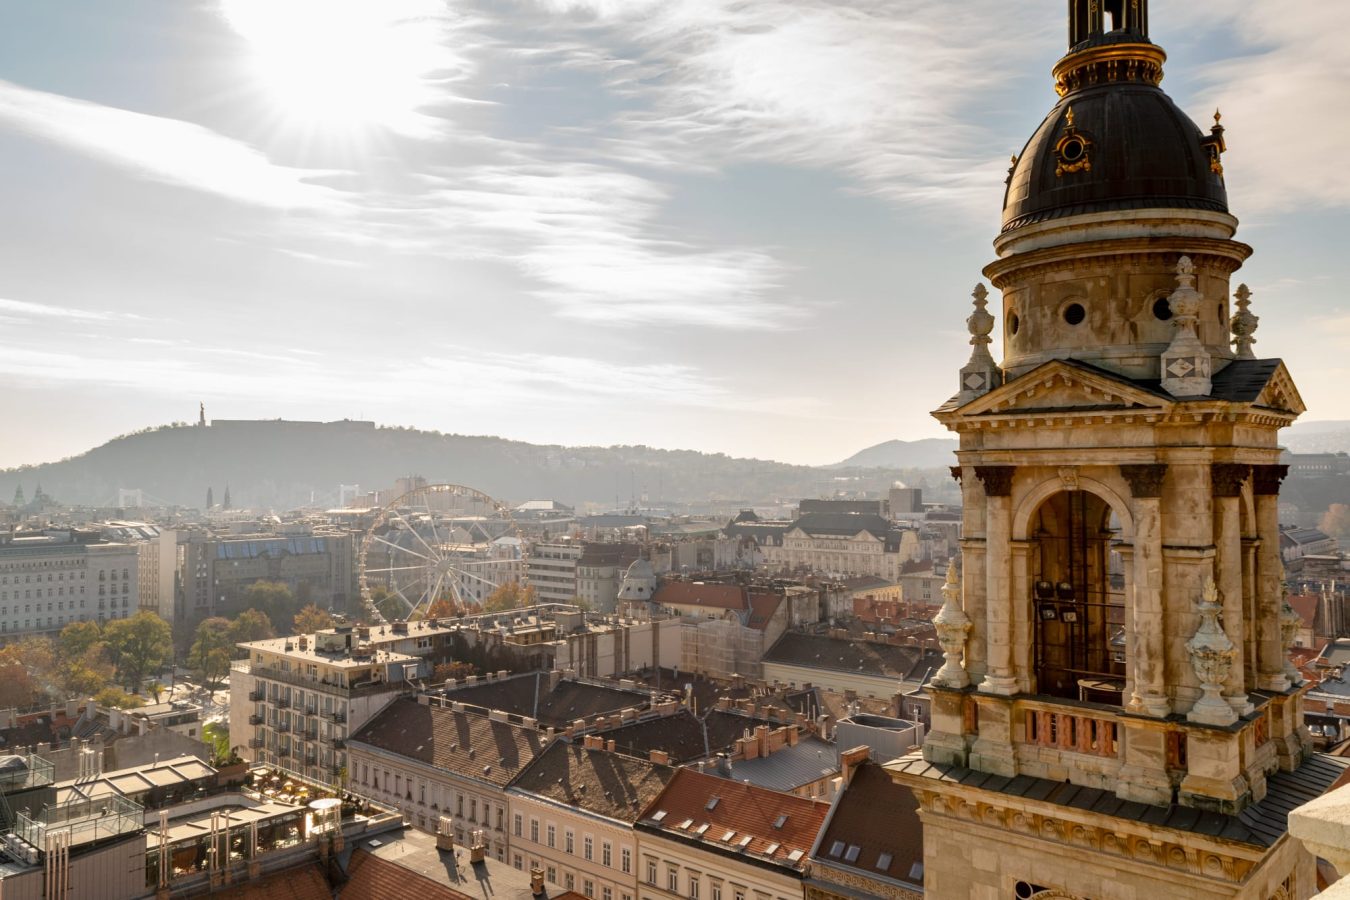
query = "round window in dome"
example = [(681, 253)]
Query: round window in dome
[(1014, 323), (1162, 309), (1074, 314), (1072, 150)]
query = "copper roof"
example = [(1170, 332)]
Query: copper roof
[(734, 819)]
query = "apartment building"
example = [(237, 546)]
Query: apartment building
[(551, 569), (708, 838), (572, 814), (431, 758), (294, 701), (51, 579), (156, 563)]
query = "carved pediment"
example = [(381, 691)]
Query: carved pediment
[(1281, 394), (1063, 386)]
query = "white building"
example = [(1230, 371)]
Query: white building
[(551, 569), (52, 579)]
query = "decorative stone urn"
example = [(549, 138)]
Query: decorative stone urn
[(1212, 656), (953, 629)]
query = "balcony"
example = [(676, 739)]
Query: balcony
[(311, 759), (282, 727), (255, 743), (257, 695), (283, 752), (312, 734), (255, 719), (338, 717), (281, 702), (339, 743)]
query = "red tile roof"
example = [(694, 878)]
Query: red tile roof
[(762, 608), (777, 825), (1306, 607), (696, 593)]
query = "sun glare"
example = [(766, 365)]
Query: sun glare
[(346, 64)]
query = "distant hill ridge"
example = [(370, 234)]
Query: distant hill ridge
[(282, 464)]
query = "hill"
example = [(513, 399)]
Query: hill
[(1318, 437), (280, 464), (926, 453)]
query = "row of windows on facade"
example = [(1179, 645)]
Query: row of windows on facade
[(570, 881), (60, 605), (692, 882), (36, 593), (55, 564), (30, 578), (569, 843), (55, 621)]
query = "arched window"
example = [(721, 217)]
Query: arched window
[(1078, 598)]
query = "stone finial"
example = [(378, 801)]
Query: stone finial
[(981, 375), (1212, 655), (1186, 363), (1290, 623), (1244, 322), (953, 630)]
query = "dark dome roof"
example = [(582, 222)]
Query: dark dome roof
[(1142, 152)]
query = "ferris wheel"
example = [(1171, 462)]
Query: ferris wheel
[(438, 542)]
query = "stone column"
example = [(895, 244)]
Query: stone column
[(1019, 591), (1269, 578), (1227, 480), (997, 481), (1148, 665), (972, 572)]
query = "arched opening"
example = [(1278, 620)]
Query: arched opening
[(1078, 595)]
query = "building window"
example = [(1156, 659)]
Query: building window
[(626, 861), (518, 862), (552, 875), (693, 888), (570, 881), (607, 854), (534, 831), (518, 823), (673, 880), (607, 893), (588, 888), (588, 847), (651, 871), (715, 891), (568, 839), (552, 835)]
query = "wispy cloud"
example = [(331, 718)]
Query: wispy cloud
[(23, 310), (162, 149)]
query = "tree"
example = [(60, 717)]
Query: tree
[(457, 670), (1335, 523), (391, 606), (251, 625), (116, 698), (273, 598), (77, 637), (509, 596), (17, 687), (210, 653), (441, 608), (138, 646), (312, 619), (87, 674)]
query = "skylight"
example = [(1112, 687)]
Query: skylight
[(780, 821), (884, 861), (771, 849), (700, 829), (683, 826), (731, 833), (852, 854), (795, 855), (712, 803), (660, 814), (837, 849), (744, 841)]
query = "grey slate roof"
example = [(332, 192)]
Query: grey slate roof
[(787, 768), (857, 657), (1259, 825)]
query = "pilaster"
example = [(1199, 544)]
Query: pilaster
[(997, 481), (1269, 577), (1150, 654), (1227, 480)]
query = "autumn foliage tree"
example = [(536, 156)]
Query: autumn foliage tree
[(210, 653), (138, 646), (509, 596), (312, 619)]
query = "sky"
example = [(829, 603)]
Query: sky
[(749, 228)]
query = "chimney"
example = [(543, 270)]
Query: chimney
[(792, 735), (660, 757), (609, 745), (445, 834), (536, 881), (849, 761), (554, 676), (478, 847), (762, 740)]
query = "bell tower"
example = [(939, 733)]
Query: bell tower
[(1117, 717)]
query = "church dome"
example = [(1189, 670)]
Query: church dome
[(1114, 141)]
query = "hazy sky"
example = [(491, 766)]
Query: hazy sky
[(750, 227)]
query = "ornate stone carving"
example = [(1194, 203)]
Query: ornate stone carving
[(953, 630), (1068, 476), (997, 480), (1290, 623), (1186, 363), (981, 375), (956, 473), (1243, 324), (1212, 656), (1228, 478), (1145, 480), (1266, 480)]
